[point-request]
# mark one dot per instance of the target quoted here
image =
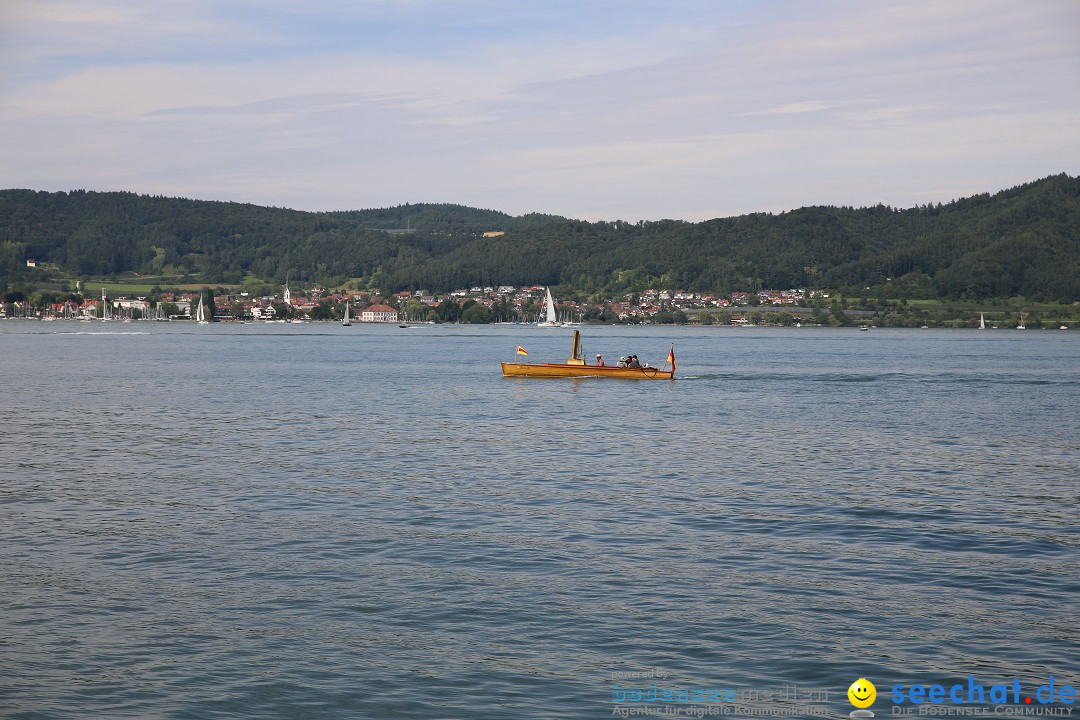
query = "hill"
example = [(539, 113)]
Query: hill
[(1021, 241)]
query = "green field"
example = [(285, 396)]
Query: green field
[(91, 287), (128, 288)]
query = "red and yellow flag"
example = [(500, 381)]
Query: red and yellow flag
[(671, 357), (521, 351)]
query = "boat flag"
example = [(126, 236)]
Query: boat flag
[(521, 351), (671, 357)]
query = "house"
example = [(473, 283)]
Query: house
[(128, 304), (379, 313)]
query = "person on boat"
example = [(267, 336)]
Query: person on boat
[(632, 361), (622, 361), (599, 361)]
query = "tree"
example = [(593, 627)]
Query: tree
[(322, 311), (839, 317), (476, 314), (415, 310), (449, 311)]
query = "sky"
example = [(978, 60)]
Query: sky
[(592, 109)]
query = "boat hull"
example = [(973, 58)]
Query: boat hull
[(560, 370)]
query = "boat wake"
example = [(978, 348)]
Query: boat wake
[(91, 332)]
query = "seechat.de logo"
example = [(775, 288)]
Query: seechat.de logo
[(862, 694)]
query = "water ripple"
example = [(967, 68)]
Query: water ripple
[(308, 521)]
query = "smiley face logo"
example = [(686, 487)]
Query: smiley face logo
[(862, 693)]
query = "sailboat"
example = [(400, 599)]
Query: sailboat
[(982, 322), (549, 320), (1021, 326), (200, 314), (345, 320)]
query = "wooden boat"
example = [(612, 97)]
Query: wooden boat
[(575, 367)]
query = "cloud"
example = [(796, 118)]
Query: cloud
[(598, 110), (808, 106)]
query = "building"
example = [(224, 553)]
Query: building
[(379, 313), (128, 304)]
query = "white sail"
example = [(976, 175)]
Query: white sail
[(982, 322), (345, 320), (200, 315), (549, 311)]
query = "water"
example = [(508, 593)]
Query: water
[(310, 521)]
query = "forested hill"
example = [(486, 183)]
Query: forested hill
[(1022, 241)]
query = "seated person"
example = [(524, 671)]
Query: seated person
[(622, 361), (599, 361), (633, 362)]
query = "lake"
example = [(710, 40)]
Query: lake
[(311, 521)]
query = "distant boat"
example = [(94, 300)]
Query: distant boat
[(200, 314), (549, 320), (1063, 327), (1021, 326), (345, 320), (864, 328), (575, 367), (982, 322)]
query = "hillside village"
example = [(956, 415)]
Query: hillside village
[(502, 304)]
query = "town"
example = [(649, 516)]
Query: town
[(501, 304)]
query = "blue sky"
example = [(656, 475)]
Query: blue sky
[(627, 110)]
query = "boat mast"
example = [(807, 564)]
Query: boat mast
[(576, 357)]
